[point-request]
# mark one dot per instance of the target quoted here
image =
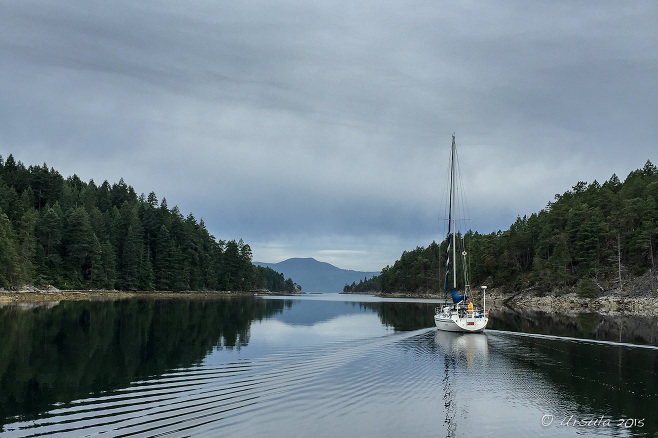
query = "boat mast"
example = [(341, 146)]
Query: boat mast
[(452, 213)]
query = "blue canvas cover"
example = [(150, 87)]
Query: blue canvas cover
[(456, 297)]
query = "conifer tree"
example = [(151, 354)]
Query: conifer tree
[(131, 258), (9, 260), (50, 230), (106, 274), (79, 248), (164, 260), (27, 241)]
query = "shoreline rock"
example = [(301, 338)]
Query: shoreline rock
[(565, 304), (50, 294), (571, 303)]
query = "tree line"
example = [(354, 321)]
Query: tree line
[(78, 235), (590, 235)]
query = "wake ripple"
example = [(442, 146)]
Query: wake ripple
[(572, 339), (250, 397)]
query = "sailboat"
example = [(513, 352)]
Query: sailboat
[(462, 315)]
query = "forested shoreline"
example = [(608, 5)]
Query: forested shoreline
[(78, 235), (592, 239)]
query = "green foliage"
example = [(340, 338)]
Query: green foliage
[(587, 232), (366, 285), (9, 260), (78, 235), (587, 288), (416, 271), (275, 281)]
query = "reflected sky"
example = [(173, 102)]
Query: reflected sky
[(310, 320)]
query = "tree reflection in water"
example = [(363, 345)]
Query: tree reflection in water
[(56, 354)]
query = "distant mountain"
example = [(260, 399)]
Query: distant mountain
[(315, 276)]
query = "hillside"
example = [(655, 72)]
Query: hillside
[(594, 239), (316, 276), (78, 235)]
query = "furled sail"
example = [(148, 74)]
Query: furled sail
[(456, 298)]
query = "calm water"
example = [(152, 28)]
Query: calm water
[(320, 366)]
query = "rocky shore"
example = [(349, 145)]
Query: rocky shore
[(638, 297), (50, 294), (569, 303)]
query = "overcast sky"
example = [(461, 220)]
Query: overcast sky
[(322, 128)]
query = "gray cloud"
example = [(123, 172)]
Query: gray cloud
[(322, 129)]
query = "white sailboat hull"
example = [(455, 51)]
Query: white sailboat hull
[(454, 323)]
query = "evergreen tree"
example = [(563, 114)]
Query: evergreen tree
[(147, 275), (232, 266), (592, 231), (50, 230), (106, 275), (9, 259), (9, 202), (164, 260), (587, 288), (27, 240), (129, 243), (79, 248), (75, 234), (132, 257)]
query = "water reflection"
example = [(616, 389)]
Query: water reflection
[(502, 384), (57, 353), (590, 379), (634, 329), (251, 367), (471, 348), (459, 350), (398, 315), (52, 354)]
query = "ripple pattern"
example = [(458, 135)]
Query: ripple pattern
[(318, 385), (423, 383)]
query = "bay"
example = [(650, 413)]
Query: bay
[(324, 365)]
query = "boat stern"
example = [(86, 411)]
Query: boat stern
[(472, 324)]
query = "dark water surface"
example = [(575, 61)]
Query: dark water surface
[(320, 366)]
